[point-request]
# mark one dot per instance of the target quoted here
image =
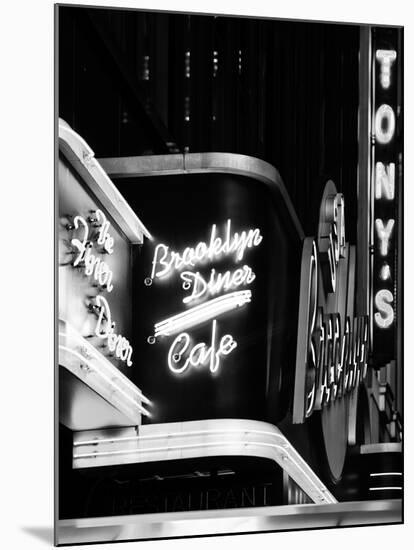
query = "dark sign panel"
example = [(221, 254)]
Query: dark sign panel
[(386, 169), (216, 291)]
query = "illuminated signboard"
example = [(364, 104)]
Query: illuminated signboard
[(95, 236), (182, 353), (96, 231), (386, 162), (216, 333), (332, 349)]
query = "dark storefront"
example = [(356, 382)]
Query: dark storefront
[(249, 316)]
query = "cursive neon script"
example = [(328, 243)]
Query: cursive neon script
[(93, 265), (99, 270), (216, 283), (166, 260), (105, 329), (181, 355)]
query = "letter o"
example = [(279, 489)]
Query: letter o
[(384, 113)]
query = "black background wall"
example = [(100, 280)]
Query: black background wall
[(134, 83)]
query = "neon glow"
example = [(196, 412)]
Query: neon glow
[(104, 237), (202, 313), (380, 474), (181, 357), (166, 260), (384, 180), (105, 329), (385, 272), (386, 59), (216, 283), (384, 317), (92, 264), (384, 234), (96, 267), (384, 124)]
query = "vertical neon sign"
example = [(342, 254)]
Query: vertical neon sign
[(386, 160)]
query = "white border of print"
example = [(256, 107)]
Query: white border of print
[(26, 223)]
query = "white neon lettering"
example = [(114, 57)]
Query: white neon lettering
[(181, 356), (166, 260), (160, 261), (202, 313), (384, 124), (216, 283), (386, 59), (384, 180), (105, 329), (385, 272), (104, 238), (384, 234), (384, 317), (99, 270), (93, 264), (176, 351), (80, 245)]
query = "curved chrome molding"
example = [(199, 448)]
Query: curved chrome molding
[(196, 439), (82, 158), (228, 521), (202, 163), (85, 362)]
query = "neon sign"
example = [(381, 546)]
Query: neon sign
[(216, 282), (95, 267), (384, 191), (181, 357), (386, 59), (202, 313), (332, 345), (93, 264), (166, 260), (182, 353)]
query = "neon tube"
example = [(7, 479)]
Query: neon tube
[(386, 474), (201, 313)]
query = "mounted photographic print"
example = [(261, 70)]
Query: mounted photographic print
[(229, 196)]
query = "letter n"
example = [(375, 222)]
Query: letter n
[(384, 180)]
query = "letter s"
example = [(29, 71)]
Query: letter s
[(385, 314)]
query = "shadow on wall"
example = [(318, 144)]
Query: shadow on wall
[(45, 534)]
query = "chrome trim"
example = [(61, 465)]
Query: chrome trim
[(227, 521), (196, 439), (93, 369), (82, 158), (202, 163), (381, 448)]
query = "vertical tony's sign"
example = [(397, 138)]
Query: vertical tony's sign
[(386, 170)]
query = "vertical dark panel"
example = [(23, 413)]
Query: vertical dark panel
[(201, 83), (293, 102), (176, 78)]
